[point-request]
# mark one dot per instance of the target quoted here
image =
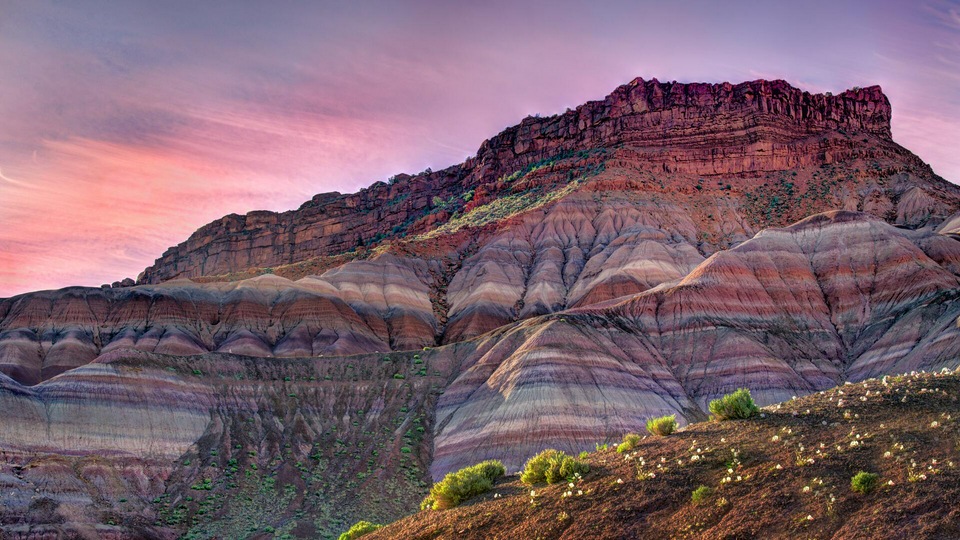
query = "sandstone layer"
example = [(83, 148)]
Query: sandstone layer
[(836, 297), (634, 257), (144, 445), (698, 130)]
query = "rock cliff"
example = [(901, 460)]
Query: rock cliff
[(734, 131), (837, 297), (633, 257)]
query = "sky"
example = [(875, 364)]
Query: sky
[(126, 125)]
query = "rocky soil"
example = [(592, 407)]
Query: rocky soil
[(785, 474)]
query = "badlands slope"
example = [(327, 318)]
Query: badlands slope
[(637, 256)]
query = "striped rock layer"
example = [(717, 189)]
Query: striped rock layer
[(631, 258), (836, 297), (144, 445), (365, 306)]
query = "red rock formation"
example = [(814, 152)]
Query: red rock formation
[(364, 306), (581, 273), (742, 130), (835, 297)]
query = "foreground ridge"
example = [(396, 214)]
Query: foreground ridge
[(784, 474)]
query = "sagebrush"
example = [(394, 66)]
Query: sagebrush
[(459, 486), (630, 441), (663, 425), (359, 529), (735, 406), (552, 466), (864, 482)]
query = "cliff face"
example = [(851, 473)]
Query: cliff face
[(837, 297), (635, 257), (366, 307), (144, 445), (698, 129)]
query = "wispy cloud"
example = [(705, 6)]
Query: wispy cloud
[(129, 126)]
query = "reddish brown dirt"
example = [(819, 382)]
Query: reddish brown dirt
[(912, 417)]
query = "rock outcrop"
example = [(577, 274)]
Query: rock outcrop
[(365, 306), (697, 130), (634, 257), (836, 297)]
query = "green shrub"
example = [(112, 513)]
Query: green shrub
[(701, 494), (734, 406), (459, 486), (552, 466), (864, 482), (662, 426), (359, 529), (630, 441)]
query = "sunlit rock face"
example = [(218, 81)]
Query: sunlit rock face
[(634, 257), (695, 131), (364, 306), (837, 297)]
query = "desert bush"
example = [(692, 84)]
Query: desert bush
[(552, 466), (734, 406), (630, 441), (663, 425), (359, 529), (459, 486), (864, 482), (701, 494)]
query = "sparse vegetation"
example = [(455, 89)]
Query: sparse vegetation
[(552, 466), (662, 426), (459, 486), (630, 441), (701, 494), (359, 529), (735, 406), (864, 482)]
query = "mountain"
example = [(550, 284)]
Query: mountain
[(636, 256)]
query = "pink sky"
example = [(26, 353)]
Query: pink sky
[(128, 125)]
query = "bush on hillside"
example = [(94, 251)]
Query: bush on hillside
[(701, 494), (663, 425), (359, 529), (734, 406), (864, 482), (459, 486), (552, 466), (630, 441)]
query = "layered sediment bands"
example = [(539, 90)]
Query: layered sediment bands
[(586, 248), (836, 297), (738, 131), (79, 412), (142, 445), (551, 384), (364, 306)]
